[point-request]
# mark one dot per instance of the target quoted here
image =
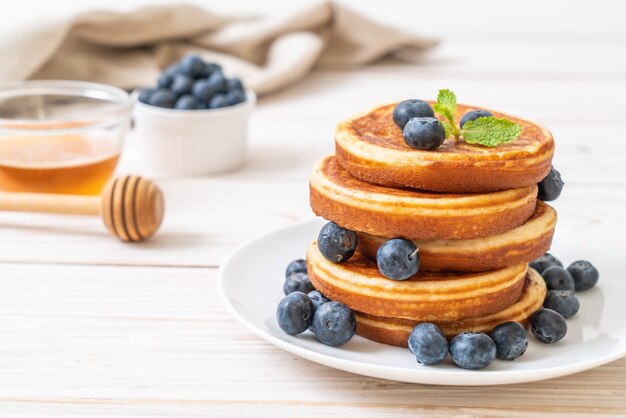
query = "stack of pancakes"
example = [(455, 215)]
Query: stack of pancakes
[(472, 211)]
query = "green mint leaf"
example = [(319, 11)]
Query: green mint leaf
[(446, 107), (448, 128), (490, 131)]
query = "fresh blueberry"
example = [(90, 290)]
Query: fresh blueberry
[(545, 261), (551, 186), (295, 313), (564, 302), (334, 324), (511, 340), (424, 133), (317, 298), (548, 326), (193, 66), (233, 84), (235, 97), (296, 266), (186, 102), (472, 350), (473, 115), (298, 282), (398, 259), (145, 94), (163, 98), (217, 79), (165, 80), (218, 101), (336, 244), (182, 84), (203, 90), (557, 278), (585, 275), (172, 70), (408, 109), (428, 344)]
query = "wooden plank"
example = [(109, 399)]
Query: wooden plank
[(150, 341)]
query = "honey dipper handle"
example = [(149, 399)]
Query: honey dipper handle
[(50, 203)]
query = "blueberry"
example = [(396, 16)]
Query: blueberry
[(182, 84), (172, 70), (557, 278), (193, 66), (186, 102), (145, 94), (296, 266), (235, 97), (548, 326), (233, 84), (545, 261), (317, 298), (165, 80), (428, 344), (217, 80), (408, 109), (163, 98), (551, 186), (203, 90), (424, 133), (218, 101), (511, 340), (336, 244), (564, 302), (585, 275), (473, 115), (295, 313), (334, 324), (398, 259), (472, 350), (298, 282)]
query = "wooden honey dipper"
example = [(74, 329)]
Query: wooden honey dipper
[(132, 207)]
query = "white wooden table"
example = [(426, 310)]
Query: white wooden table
[(92, 327)]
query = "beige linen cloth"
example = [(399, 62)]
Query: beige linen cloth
[(130, 49)]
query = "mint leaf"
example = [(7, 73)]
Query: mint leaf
[(490, 131), (446, 107)]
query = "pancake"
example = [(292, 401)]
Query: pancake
[(395, 331), (423, 297), (386, 212), (520, 245), (371, 147)]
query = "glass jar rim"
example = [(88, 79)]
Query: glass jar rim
[(103, 120)]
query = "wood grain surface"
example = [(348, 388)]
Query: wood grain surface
[(91, 327)]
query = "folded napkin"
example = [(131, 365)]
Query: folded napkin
[(130, 49)]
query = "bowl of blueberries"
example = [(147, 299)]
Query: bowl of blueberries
[(195, 120)]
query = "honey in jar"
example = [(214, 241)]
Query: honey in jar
[(73, 164)]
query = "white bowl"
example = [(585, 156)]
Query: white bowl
[(194, 142)]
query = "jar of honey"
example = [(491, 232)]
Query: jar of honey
[(60, 136)]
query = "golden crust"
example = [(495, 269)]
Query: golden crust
[(395, 331), (413, 214), (423, 297), (371, 147), (520, 245)]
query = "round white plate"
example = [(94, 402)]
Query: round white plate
[(251, 280)]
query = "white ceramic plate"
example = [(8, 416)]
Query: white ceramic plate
[(251, 280)]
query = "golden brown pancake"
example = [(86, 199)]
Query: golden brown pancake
[(371, 147), (423, 297), (395, 331), (520, 245), (412, 214)]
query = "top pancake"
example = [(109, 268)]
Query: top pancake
[(371, 147)]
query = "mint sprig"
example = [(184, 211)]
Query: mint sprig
[(446, 107), (488, 131)]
